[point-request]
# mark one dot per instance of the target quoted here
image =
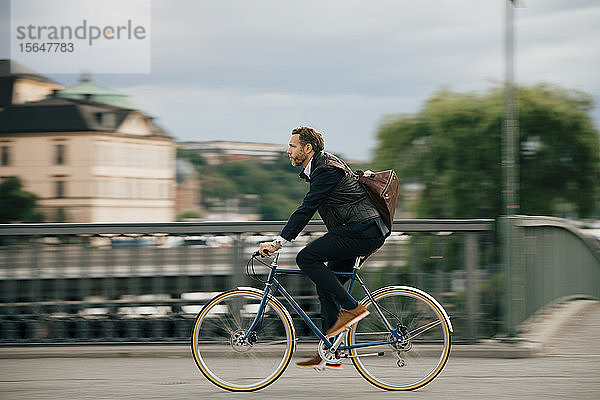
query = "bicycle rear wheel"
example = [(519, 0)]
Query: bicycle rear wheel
[(412, 362), (222, 355)]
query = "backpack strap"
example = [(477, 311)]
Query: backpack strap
[(336, 164)]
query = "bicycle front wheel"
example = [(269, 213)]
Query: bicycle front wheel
[(222, 354), (405, 364)]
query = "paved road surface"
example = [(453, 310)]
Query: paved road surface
[(569, 369)]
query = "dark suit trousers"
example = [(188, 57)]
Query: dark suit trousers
[(339, 247)]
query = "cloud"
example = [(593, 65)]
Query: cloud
[(560, 46)]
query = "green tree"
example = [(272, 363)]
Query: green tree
[(453, 148), (192, 156), (218, 186), (276, 207), (17, 204), (277, 184), (189, 214)]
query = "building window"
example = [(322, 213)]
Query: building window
[(5, 155), (59, 154), (106, 118), (59, 189)]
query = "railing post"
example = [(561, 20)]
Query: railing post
[(509, 326), (237, 272), (515, 293), (417, 257), (36, 259), (85, 290), (9, 251), (472, 271)]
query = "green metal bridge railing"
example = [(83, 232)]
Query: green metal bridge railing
[(127, 282), (551, 259)]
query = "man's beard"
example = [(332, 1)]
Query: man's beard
[(298, 160)]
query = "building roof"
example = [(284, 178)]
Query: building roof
[(56, 114), (14, 69), (86, 90), (10, 71)]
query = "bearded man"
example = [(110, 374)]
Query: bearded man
[(354, 228)]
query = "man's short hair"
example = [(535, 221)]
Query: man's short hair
[(310, 136)]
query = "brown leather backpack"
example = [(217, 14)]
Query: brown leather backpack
[(381, 187)]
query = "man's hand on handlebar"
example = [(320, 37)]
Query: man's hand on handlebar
[(267, 248)]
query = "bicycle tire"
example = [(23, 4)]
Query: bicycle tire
[(221, 357), (414, 362)]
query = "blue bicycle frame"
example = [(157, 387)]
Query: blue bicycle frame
[(272, 282)]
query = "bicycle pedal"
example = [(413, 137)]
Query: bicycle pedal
[(322, 367)]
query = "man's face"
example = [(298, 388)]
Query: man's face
[(299, 155)]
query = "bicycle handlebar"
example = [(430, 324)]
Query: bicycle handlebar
[(257, 253)]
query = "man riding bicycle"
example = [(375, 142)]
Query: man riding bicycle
[(354, 228)]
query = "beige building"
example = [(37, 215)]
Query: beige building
[(88, 161)]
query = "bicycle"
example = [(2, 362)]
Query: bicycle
[(244, 339)]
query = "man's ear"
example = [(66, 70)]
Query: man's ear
[(308, 148)]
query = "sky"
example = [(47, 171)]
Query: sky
[(254, 70)]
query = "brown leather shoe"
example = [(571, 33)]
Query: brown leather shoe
[(347, 318), (314, 361)]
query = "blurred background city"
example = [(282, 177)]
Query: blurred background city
[(128, 201)]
